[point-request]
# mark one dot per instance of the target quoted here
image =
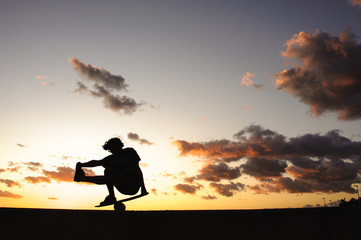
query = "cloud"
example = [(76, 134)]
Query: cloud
[(35, 180), (10, 183), (209, 197), (115, 102), (52, 198), (9, 195), (306, 163), (61, 174), (154, 191), (355, 3), (99, 75), (21, 145), (329, 77), (135, 137), (47, 83), (39, 77), (104, 86), (217, 172), (246, 81), (32, 166), (211, 151), (263, 168), (42, 78), (227, 190), (187, 188)]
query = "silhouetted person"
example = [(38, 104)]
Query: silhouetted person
[(121, 171)]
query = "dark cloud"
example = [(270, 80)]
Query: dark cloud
[(111, 101), (99, 75), (329, 77), (227, 190), (217, 172), (189, 179), (263, 168), (307, 163), (9, 195), (135, 137), (188, 188), (298, 185), (105, 87)]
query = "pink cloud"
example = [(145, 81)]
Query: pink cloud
[(39, 77), (247, 81), (328, 78)]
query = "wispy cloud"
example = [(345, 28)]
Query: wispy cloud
[(61, 174), (355, 3), (42, 80), (106, 86), (7, 194), (99, 75), (329, 77), (135, 137), (247, 81)]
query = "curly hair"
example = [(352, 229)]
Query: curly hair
[(113, 143)]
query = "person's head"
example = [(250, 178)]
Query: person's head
[(113, 145)]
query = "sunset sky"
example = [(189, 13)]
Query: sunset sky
[(230, 104)]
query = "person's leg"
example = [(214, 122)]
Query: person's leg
[(100, 180), (141, 179), (110, 173), (130, 184), (80, 176), (106, 179)]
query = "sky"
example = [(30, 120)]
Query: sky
[(229, 104)]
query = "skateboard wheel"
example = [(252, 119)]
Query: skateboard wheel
[(119, 207)]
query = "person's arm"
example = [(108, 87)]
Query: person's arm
[(92, 163)]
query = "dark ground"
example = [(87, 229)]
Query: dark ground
[(312, 223)]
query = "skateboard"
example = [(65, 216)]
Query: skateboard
[(119, 205)]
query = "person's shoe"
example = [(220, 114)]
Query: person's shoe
[(108, 201), (79, 173)]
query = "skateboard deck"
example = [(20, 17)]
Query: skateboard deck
[(123, 200)]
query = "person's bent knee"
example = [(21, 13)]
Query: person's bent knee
[(110, 171)]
